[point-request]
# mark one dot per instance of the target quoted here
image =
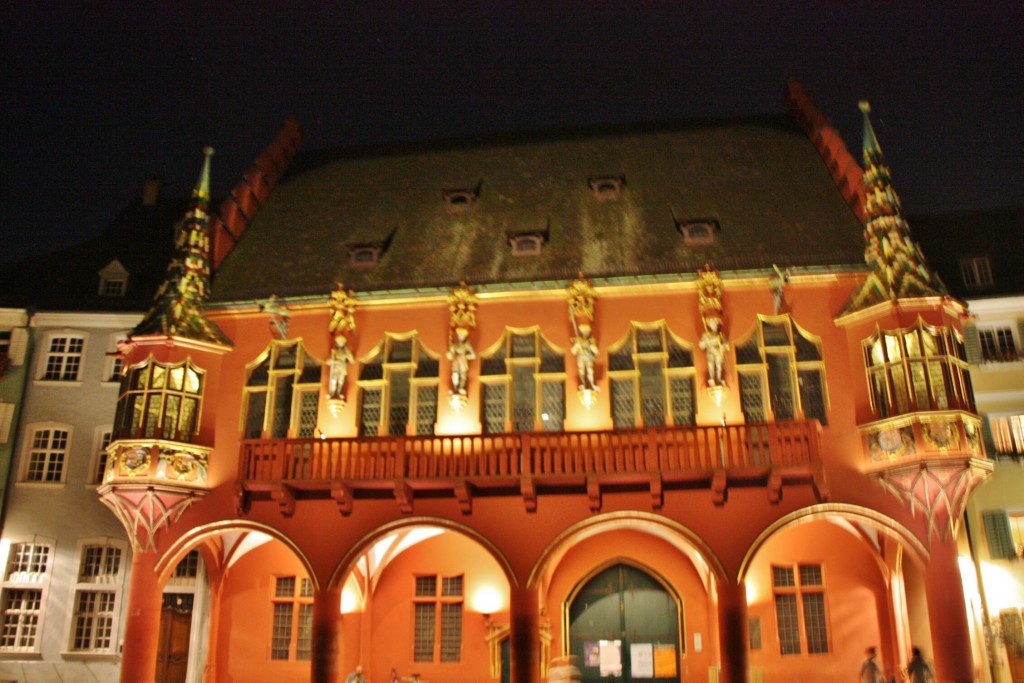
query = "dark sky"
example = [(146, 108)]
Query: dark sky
[(97, 96)]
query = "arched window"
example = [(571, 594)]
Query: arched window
[(917, 368), (625, 624), (652, 376), (282, 393), (160, 401), (781, 372), (398, 388), (522, 379)]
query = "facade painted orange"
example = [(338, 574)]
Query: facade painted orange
[(786, 545)]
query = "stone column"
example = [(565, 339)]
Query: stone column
[(947, 614), (213, 630), (524, 616), (326, 626), (142, 621), (732, 631)]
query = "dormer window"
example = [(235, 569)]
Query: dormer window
[(608, 187), (976, 272), (364, 256), (526, 245), (699, 233), (113, 279), (459, 201)]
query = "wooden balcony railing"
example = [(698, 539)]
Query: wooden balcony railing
[(750, 454)]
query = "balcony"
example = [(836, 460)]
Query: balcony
[(525, 464)]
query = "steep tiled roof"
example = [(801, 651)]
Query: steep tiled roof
[(761, 181), (141, 238)]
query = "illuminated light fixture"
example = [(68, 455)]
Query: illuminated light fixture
[(457, 401), (717, 393), (588, 397), (545, 417), (487, 600), (319, 433)]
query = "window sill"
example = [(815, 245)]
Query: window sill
[(92, 656), (41, 484), (58, 382), (9, 656)]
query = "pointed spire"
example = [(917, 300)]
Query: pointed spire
[(177, 309), (898, 268)]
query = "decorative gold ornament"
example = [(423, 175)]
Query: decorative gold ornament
[(581, 298), (343, 311), (941, 435), (462, 306)]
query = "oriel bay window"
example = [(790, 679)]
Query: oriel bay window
[(522, 381), (398, 388), (781, 372), (917, 368), (652, 377), (160, 401), (282, 393)]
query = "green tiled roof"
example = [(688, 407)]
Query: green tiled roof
[(761, 180)]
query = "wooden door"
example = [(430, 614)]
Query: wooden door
[(175, 631)]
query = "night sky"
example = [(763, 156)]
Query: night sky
[(98, 96)]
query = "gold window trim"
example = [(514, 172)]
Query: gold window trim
[(383, 350), (272, 353), (504, 342)]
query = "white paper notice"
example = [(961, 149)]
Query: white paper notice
[(641, 660), (611, 657)]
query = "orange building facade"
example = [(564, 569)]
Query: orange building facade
[(749, 470)]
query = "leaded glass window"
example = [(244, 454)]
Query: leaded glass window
[(917, 368), (160, 401), (437, 617), (781, 372), (800, 609), (282, 393), (652, 378), (398, 388), (523, 380)]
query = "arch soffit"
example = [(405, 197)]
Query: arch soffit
[(834, 512), (677, 535), (166, 563), (349, 562)]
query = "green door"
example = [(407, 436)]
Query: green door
[(624, 625)]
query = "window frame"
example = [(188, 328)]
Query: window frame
[(976, 272), (999, 343), (102, 437), (387, 384), (799, 591), (1007, 434), (442, 639), (133, 422), (503, 350), (619, 377), (48, 357), (103, 583), (300, 619), (29, 447), (303, 361), (893, 386), (789, 351), (36, 582)]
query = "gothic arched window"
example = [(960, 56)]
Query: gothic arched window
[(917, 368), (651, 374), (781, 372), (398, 388), (282, 393), (160, 401), (522, 380)]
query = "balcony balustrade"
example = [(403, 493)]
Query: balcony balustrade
[(756, 454)]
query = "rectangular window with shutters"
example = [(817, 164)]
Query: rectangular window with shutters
[(437, 610), (997, 344), (1008, 434), (800, 610)]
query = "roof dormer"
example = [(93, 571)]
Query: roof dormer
[(113, 279)]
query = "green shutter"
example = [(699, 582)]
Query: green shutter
[(972, 344), (1000, 539)]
